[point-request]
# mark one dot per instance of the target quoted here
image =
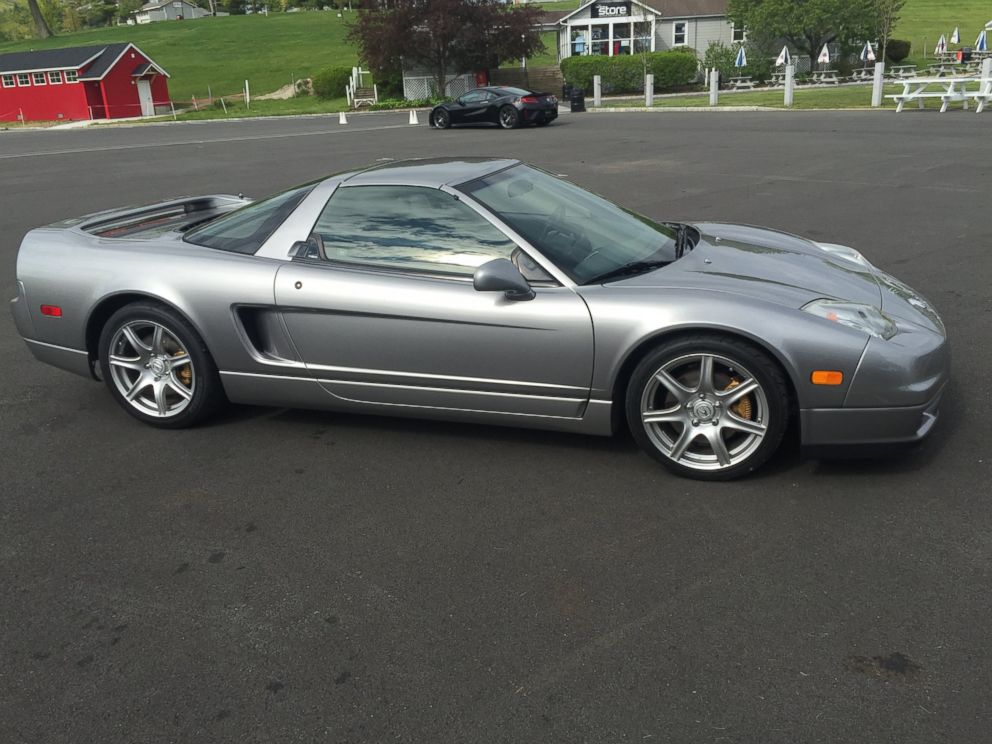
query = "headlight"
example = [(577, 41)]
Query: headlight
[(844, 252), (865, 318)]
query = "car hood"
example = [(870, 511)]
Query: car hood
[(765, 264)]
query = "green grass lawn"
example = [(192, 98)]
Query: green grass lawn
[(288, 107), (926, 20), (841, 97), (223, 52)]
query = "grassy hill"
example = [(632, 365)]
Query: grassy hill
[(222, 52), (926, 20)]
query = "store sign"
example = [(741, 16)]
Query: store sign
[(611, 9)]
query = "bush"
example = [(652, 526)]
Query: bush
[(626, 74), (897, 50), (722, 57), (330, 83), (385, 104)]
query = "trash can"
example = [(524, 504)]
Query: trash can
[(578, 100), (966, 54)]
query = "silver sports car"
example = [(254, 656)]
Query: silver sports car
[(489, 291)]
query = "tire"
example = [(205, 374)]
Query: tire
[(138, 347), (442, 119), (509, 117), (680, 415)]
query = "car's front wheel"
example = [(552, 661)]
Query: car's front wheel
[(509, 117), (442, 119), (708, 407), (157, 366)]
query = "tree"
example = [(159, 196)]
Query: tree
[(808, 24), (41, 27), (886, 17), (445, 36)]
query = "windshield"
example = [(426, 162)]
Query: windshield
[(586, 236)]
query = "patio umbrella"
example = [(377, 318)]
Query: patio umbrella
[(956, 36), (982, 44), (824, 58), (741, 60), (784, 57), (867, 54), (941, 47)]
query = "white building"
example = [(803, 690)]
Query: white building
[(169, 10), (615, 27)]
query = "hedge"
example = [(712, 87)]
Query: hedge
[(625, 74), (897, 50), (330, 83)]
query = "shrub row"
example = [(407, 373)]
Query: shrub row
[(330, 83), (625, 74), (385, 104)]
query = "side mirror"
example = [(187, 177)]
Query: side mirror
[(500, 275)]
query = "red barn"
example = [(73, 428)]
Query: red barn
[(97, 82)]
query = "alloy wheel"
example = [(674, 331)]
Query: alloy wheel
[(704, 411), (151, 369)]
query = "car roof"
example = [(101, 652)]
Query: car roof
[(430, 172)]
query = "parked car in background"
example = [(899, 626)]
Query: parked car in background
[(507, 107)]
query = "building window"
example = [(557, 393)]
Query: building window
[(39, 78), (579, 42), (739, 35), (642, 37), (679, 33), (8, 81), (71, 76), (23, 79), (55, 78)]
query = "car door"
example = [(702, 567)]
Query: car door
[(389, 314), (470, 107)]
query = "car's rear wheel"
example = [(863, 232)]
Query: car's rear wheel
[(708, 407), (442, 119), (157, 366), (509, 117)]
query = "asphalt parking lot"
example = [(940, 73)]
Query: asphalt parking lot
[(285, 575)]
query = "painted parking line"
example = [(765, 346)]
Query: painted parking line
[(218, 140)]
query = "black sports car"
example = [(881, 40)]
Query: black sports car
[(508, 107)]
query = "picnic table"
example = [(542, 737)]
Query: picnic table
[(950, 90), (825, 77), (942, 69), (778, 80), (741, 83), (863, 73), (903, 71)]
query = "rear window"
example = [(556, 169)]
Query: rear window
[(246, 229)]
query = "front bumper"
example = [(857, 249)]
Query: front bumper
[(825, 427)]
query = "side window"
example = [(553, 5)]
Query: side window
[(409, 228), (474, 96)]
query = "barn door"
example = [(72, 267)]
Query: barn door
[(145, 97)]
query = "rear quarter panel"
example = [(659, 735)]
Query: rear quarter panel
[(77, 272)]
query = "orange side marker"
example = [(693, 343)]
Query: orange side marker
[(826, 377)]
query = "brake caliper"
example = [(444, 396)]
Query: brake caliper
[(185, 373), (743, 407)]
